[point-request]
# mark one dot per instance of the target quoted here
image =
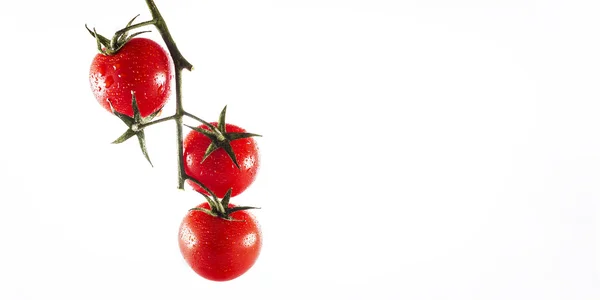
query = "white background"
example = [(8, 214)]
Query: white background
[(412, 150)]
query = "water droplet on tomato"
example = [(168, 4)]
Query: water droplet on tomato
[(188, 237), (248, 162), (109, 81), (160, 78), (101, 69), (249, 240)]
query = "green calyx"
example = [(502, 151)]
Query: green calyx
[(218, 208), (111, 46), (220, 138), (135, 125)]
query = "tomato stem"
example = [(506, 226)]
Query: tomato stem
[(218, 207), (180, 63), (193, 117), (130, 27), (179, 112), (144, 125), (160, 24)]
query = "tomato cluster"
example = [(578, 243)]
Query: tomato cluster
[(131, 78)]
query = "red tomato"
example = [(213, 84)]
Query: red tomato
[(142, 66), (217, 171), (219, 249)]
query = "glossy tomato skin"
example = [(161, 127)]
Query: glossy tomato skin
[(218, 172), (141, 65), (219, 249)]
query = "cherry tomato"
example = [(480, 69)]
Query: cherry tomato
[(218, 171), (219, 249), (142, 66)]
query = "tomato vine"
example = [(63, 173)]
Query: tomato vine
[(232, 164)]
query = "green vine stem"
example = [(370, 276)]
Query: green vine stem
[(137, 127), (180, 63)]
